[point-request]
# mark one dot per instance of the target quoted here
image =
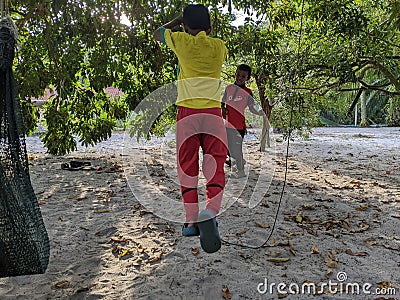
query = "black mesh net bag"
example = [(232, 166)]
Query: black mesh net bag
[(24, 244)]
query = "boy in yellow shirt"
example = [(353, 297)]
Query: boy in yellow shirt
[(199, 120)]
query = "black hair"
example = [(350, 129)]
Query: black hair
[(246, 68), (196, 16)]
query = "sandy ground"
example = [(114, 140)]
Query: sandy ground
[(115, 227)]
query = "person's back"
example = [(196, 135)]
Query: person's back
[(199, 119), (200, 55), (200, 58)]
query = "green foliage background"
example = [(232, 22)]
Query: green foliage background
[(309, 57)]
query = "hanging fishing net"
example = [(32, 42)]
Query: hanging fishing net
[(24, 244)]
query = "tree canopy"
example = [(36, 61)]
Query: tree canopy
[(307, 56)]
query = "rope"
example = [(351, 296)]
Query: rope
[(24, 243), (4, 8), (287, 152), (8, 23)]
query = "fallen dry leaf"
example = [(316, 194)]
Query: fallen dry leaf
[(378, 184), (288, 234), (155, 258), (346, 226), (370, 242), (308, 207), (362, 207), (137, 263), (123, 253), (314, 250), (115, 249), (119, 240), (356, 182), (236, 215), (100, 211), (226, 293), (195, 251), (326, 292), (330, 260), (261, 225), (281, 296), (384, 284), (273, 254), (278, 259), (271, 244), (284, 244), (391, 247), (82, 289), (144, 212), (241, 232), (169, 229), (299, 217), (292, 248), (244, 255), (349, 252), (364, 227), (61, 284), (230, 235), (328, 272), (137, 206)]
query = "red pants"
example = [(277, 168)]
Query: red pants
[(203, 128)]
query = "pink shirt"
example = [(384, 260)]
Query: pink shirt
[(237, 99)]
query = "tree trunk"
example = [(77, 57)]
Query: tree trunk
[(364, 118), (265, 140), (356, 115)]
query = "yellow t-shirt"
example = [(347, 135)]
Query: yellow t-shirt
[(200, 58)]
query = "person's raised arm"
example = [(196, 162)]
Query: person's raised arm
[(157, 33), (254, 111)]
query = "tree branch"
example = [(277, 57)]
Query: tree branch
[(355, 100), (386, 72), (377, 88)]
